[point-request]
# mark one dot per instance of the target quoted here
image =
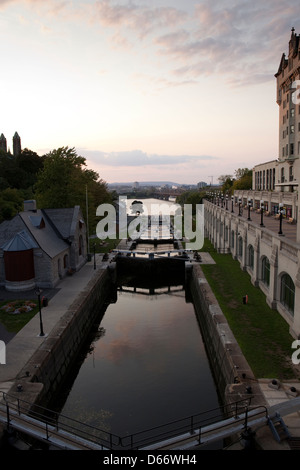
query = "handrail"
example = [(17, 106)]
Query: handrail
[(49, 418), (195, 423)]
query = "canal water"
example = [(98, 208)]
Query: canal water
[(145, 366)]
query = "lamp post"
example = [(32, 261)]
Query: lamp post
[(261, 213), (249, 206), (227, 202), (38, 293), (222, 200), (280, 218), (231, 203), (240, 202), (94, 255)]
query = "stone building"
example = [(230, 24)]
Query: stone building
[(3, 143), (272, 261), (283, 174), (17, 148), (16, 145), (38, 247)]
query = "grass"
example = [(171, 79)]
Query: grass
[(263, 335), (104, 246), (13, 323)]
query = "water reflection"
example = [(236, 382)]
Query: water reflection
[(149, 367)]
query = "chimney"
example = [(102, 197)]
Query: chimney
[(30, 205)]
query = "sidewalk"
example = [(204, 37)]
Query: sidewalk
[(22, 346), (289, 231)]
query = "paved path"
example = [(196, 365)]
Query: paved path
[(23, 345), (289, 231)]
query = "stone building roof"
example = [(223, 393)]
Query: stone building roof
[(52, 230), (20, 242)]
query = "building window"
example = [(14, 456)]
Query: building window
[(282, 175), (80, 245), (251, 256), (265, 271), (287, 293), (291, 176), (65, 261), (292, 149), (240, 247)]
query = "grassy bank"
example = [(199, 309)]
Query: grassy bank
[(261, 332)]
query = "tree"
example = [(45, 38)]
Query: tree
[(243, 179), (65, 182)]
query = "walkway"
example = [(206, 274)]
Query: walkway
[(288, 230)]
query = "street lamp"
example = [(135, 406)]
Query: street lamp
[(249, 205), (261, 213), (280, 218), (231, 203), (240, 202), (94, 255), (226, 201), (38, 293), (222, 200)]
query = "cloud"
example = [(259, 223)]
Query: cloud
[(138, 158), (137, 17), (240, 40)]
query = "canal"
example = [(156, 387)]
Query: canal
[(145, 363)]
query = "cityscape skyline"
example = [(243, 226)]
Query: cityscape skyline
[(161, 90)]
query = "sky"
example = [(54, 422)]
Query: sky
[(159, 90)]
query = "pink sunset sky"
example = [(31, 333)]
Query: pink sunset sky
[(178, 90)]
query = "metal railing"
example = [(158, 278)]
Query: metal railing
[(49, 420)]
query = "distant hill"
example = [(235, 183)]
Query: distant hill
[(147, 183)]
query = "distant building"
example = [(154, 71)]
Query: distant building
[(201, 184), (17, 149), (40, 247), (3, 144), (16, 145)]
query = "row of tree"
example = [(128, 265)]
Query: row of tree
[(58, 179), (242, 179)]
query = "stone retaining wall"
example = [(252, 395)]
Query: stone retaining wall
[(44, 373), (231, 371)]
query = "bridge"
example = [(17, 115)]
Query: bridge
[(60, 432)]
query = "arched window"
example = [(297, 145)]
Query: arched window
[(65, 261), (251, 256), (287, 293), (265, 271), (80, 245), (232, 238), (240, 247)]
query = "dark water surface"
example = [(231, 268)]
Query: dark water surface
[(147, 368)]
